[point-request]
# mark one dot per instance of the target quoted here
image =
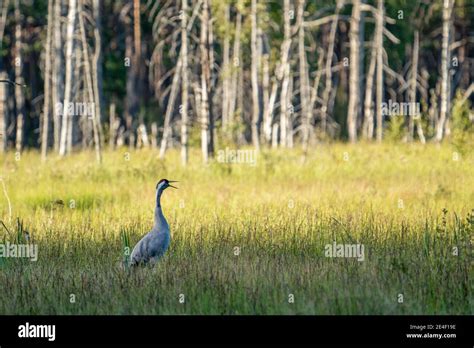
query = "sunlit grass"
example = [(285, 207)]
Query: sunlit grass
[(280, 214)]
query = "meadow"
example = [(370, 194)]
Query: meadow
[(245, 239)]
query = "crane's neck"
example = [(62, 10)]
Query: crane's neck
[(160, 220)]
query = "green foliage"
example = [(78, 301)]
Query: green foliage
[(462, 128), (395, 130)]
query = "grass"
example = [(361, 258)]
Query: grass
[(409, 205)]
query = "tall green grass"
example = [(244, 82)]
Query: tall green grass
[(409, 205)]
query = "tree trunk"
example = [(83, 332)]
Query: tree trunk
[(225, 69), (328, 68), (19, 97), (210, 79), (379, 73), (254, 77), (235, 69), (368, 127), (413, 87), (286, 76), (47, 83), (97, 69), (89, 84), (266, 91), (205, 80), (170, 107), (445, 62), (71, 22), (354, 61), (3, 112), (184, 84), (304, 80), (57, 73)]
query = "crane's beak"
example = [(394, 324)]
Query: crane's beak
[(169, 181)]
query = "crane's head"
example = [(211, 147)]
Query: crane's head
[(164, 184)]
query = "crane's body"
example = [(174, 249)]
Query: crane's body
[(155, 243)]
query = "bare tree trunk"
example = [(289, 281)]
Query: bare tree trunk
[(265, 90), (57, 73), (205, 80), (132, 52), (19, 97), (328, 68), (368, 127), (306, 111), (47, 82), (3, 112), (210, 79), (286, 76), (97, 69), (170, 107), (413, 87), (290, 113), (225, 70), (379, 72), (354, 93), (71, 22), (154, 135), (89, 84), (76, 81), (235, 68), (254, 77), (184, 84), (445, 60)]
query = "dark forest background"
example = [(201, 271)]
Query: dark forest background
[(208, 73)]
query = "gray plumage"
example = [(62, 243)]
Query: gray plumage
[(155, 243)]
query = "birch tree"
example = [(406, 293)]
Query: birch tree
[(184, 84), (285, 68), (19, 97), (414, 119), (57, 73), (379, 19), (71, 23), (205, 82), (254, 76), (306, 111), (354, 60), (47, 82), (89, 84), (445, 62)]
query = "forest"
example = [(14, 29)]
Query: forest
[(203, 73)]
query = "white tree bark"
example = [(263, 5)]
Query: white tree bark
[(445, 59), (286, 76), (47, 83), (354, 61), (379, 72), (254, 76), (57, 72), (19, 97), (184, 84), (71, 23), (205, 79), (328, 68), (306, 112), (89, 84)]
